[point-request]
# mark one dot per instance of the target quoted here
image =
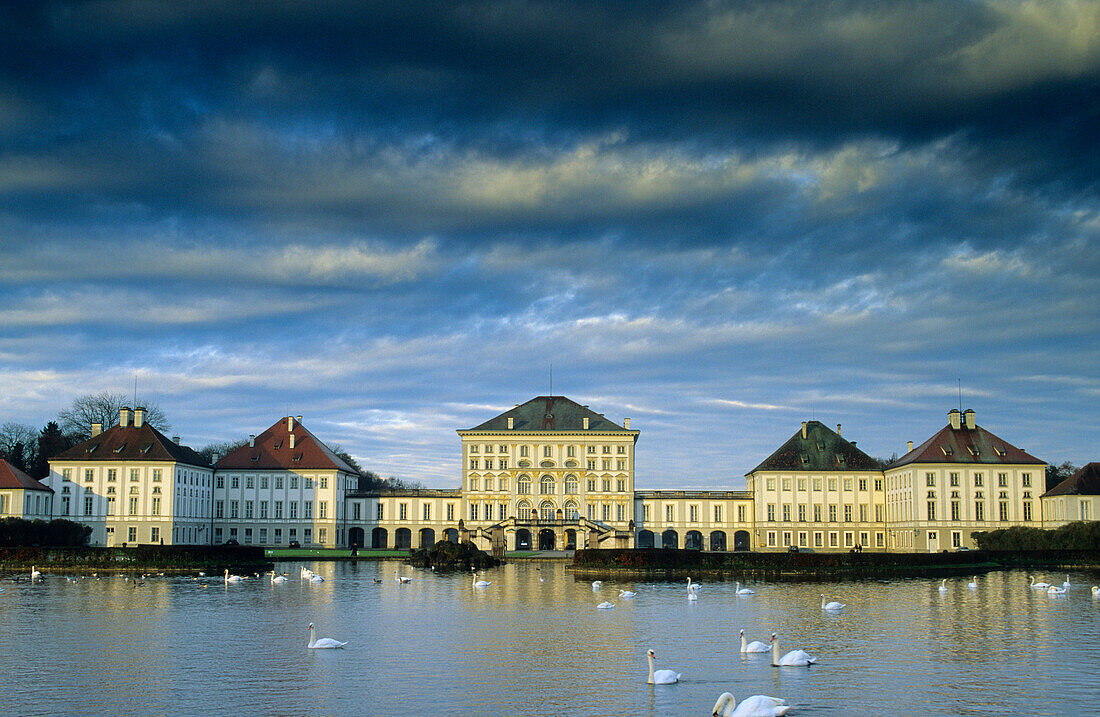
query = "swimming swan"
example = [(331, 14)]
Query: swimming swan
[(627, 593), (1096, 590), (830, 605), (35, 573), (692, 587), (743, 591), (325, 643), (232, 578), (755, 706), (605, 605), (481, 583), (277, 579), (794, 658), (754, 646), (316, 579), (1053, 590), (1066, 583), (943, 585), (1039, 586), (597, 584), (973, 584), (660, 677)]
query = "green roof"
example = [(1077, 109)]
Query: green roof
[(550, 413), (821, 449)]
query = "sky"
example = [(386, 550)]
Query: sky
[(719, 219)]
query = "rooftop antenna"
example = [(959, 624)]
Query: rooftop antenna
[(960, 395), (135, 389), (551, 379)]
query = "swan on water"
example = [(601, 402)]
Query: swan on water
[(316, 579), (743, 591), (660, 677), (794, 658), (754, 646), (1066, 583), (325, 643), (755, 706), (627, 593), (1039, 586), (605, 605), (481, 583), (693, 587), (1096, 590), (277, 579), (597, 584), (305, 572), (973, 584), (943, 585), (1054, 590), (403, 579), (830, 605), (232, 578), (35, 573)]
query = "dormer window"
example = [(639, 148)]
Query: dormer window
[(278, 445), (255, 457), (999, 450), (297, 457), (91, 449), (947, 450), (805, 459), (973, 450), (147, 448), (119, 449), (821, 445)]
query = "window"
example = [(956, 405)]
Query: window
[(607, 449), (523, 451), (248, 509), (1026, 478), (693, 514), (878, 484), (771, 538), (307, 535), (1003, 510), (847, 484), (155, 508), (546, 485), (475, 464), (427, 511), (278, 536), (278, 509), (503, 464), (832, 513), (380, 512), (878, 512), (1027, 510), (606, 485), (847, 514), (234, 482), (606, 512), (234, 509), (219, 482), (817, 484), (978, 478), (863, 484), (956, 539), (154, 534), (1002, 480), (110, 505), (112, 475), (930, 480), (771, 512), (801, 513), (321, 535), (132, 534), (474, 448), (570, 485), (293, 509), (546, 452), (979, 510), (87, 505), (769, 483), (133, 505), (474, 483), (931, 510), (322, 510), (263, 509), (156, 475), (293, 482), (954, 510), (591, 449), (67, 474), (473, 511), (591, 484), (523, 485), (786, 484), (786, 512), (403, 511), (620, 465), (817, 513), (89, 475), (717, 514), (307, 510), (832, 484), (606, 463), (669, 513), (863, 514), (740, 514)]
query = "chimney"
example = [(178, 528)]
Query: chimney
[(803, 429), (97, 428), (214, 458), (838, 430), (252, 441), (139, 417), (584, 423), (511, 423), (969, 420), (290, 423), (298, 419), (954, 418), (291, 440), (124, 416), (176, 440), (910, 448), (626, 423)]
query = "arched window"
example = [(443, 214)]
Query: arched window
[(546, 510), (523, 510), (571, 510), (523, 485), (571, 484), (546, 485)]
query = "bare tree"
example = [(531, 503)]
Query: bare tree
[(18, 444), (103, 408), (222, 448)]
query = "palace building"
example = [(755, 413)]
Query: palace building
[(552, 474)]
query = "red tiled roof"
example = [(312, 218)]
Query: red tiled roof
[(131, 443), (12, 477), (966, 445), (1084, 481), (273, 451)]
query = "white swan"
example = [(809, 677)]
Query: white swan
[(743, 591), (627, 593), (794, 658), (305, 572), (325, 643), (1096, 590), (660, 677), (1054, 590), (973, 584), (692, 596), (35, 573), (597, 584), (277, 579), (316, 579), (943, 585), (830, 605), (1039, 586), (403, 579), (754, 646), (605, 605), (232, 578), (693, 587), (1066, 583), (755, 706), (481, 583)]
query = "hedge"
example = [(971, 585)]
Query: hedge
[(1075, 536), (58, 532)]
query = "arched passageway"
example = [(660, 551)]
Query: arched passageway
[(379, 538), (669, 539)]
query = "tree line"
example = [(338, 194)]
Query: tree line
[(29, 449)]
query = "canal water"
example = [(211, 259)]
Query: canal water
[(534, 643)]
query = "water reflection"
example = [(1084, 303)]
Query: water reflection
[(533, 643)]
